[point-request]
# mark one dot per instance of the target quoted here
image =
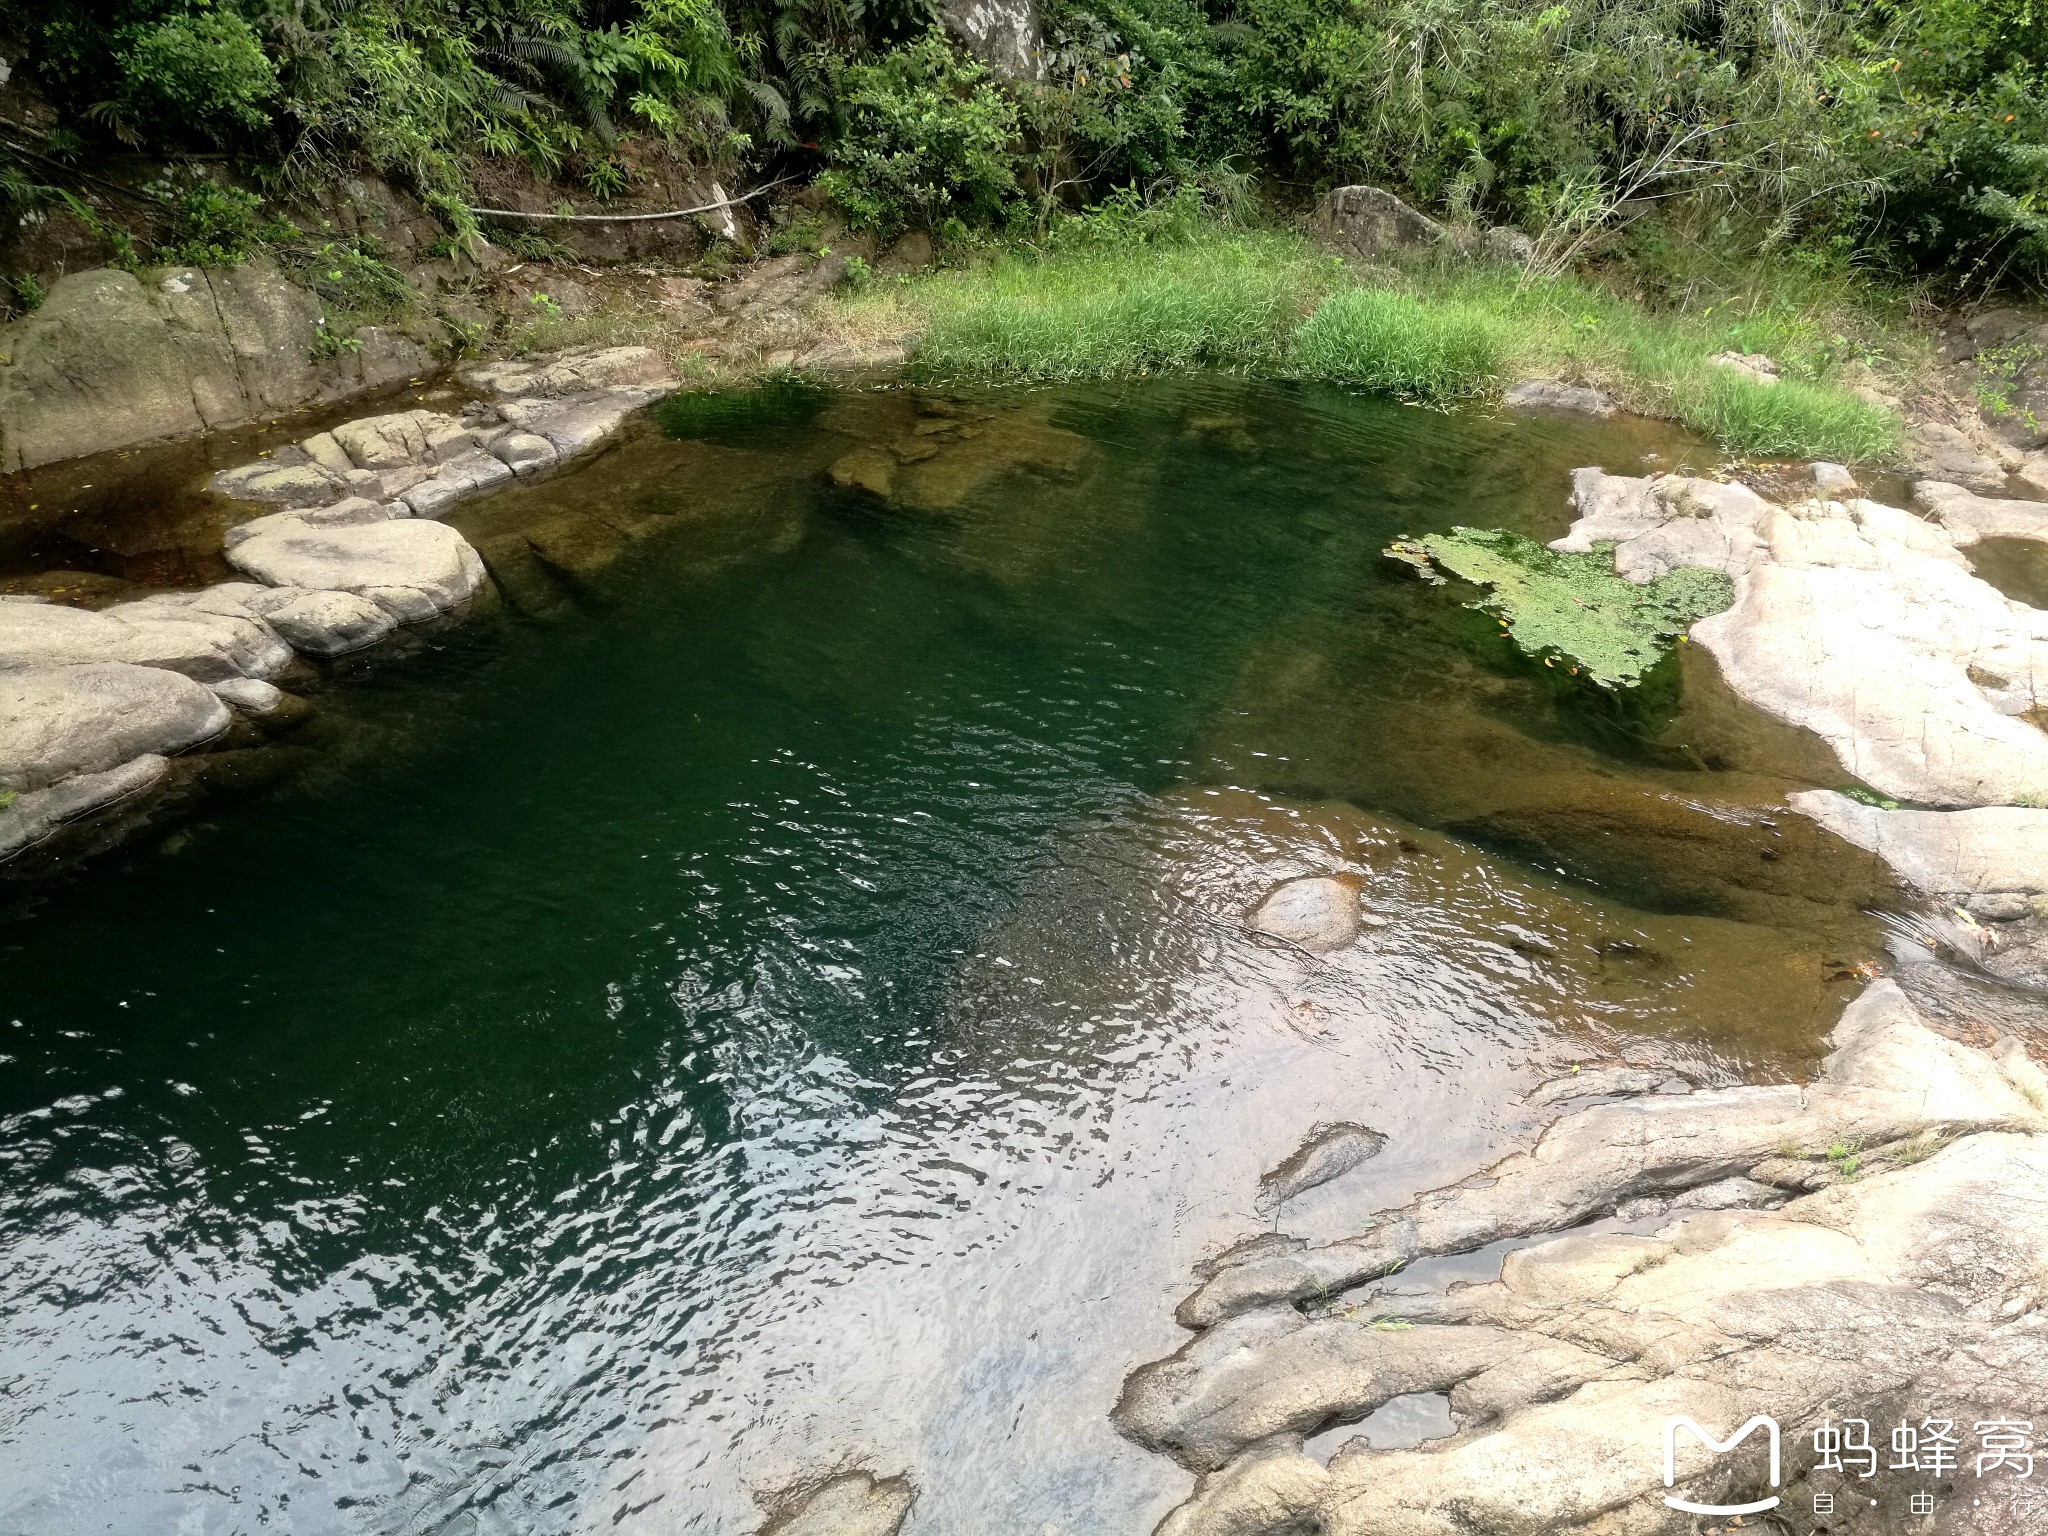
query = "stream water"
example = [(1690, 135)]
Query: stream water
[(768, 994)]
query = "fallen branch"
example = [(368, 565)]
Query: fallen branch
[(630, 218)]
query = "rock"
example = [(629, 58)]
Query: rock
[(59, 721), (36, 815), (1832, 479), (96, 366), (524, 453), (1941, 452), (106, 363), (1948, 855), (1857, 621), (179, 632), (1595, 1082), (1889, 1077), (1753, 365), (1508, 247), (325, 451), (574, 373), (1969, 517), (1916, 1280), (430, 558), (457, 480), (2033, 473), (249, 695), (851, 1504), (349, 512), (1318, 913), (1554, 395), (576, 425), (912, 252), (1330, 1152), (209, 641), (1003, 34), (402, 439), (854, 356), (1368, 223), (330, 623), (287, 485)]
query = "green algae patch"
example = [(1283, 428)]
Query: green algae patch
[(1570, 610)]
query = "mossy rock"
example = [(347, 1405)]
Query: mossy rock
[(1568, 609)]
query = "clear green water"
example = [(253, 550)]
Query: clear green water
[(768, 995)]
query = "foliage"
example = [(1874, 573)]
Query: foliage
[(1572, 608), (210, 225), (926, 141)]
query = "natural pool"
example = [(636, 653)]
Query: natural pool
[(768, 995)]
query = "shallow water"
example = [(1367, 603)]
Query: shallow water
[(769, 994)]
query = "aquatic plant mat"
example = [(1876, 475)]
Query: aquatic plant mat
[(1571, 608)]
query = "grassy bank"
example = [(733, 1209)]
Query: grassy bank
[(1436, 332)]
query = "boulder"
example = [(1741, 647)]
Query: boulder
[(574, 373), (1969, 517), (851, 1504), (524, 453), (287, 485), (1941, 452), (1832, 479), (1950, 855), (207, 640), (36, 815), (1318, 913), (107, 362), (430, 558), (56, 722), (1368, 223), (330, 623), (1508, 247), (402, 439), (1752, 365), (1555, 395), (460, 478), (345, 513), (1003, 34), (578, 424), (250, 695), (2033, 473), (1855, 620)]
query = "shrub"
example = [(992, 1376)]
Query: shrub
[(927, 141), (210, 225), (1392, 341), (206, 72)]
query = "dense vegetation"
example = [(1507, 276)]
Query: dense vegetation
[(1915, 136)]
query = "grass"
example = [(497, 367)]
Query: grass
[(1435, 332)]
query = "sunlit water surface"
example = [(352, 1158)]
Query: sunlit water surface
[(770, 996)]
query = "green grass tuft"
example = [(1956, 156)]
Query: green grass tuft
[(1138, 300), (1403, 345), (1228, 302)]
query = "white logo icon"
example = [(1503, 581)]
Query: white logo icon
[(1671, 1428)]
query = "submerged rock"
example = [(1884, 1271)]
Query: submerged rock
[(1595, 1082), (1317, 912), (851, 1504), (1330, 1152)]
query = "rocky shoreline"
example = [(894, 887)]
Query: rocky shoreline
[(94, 705)]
